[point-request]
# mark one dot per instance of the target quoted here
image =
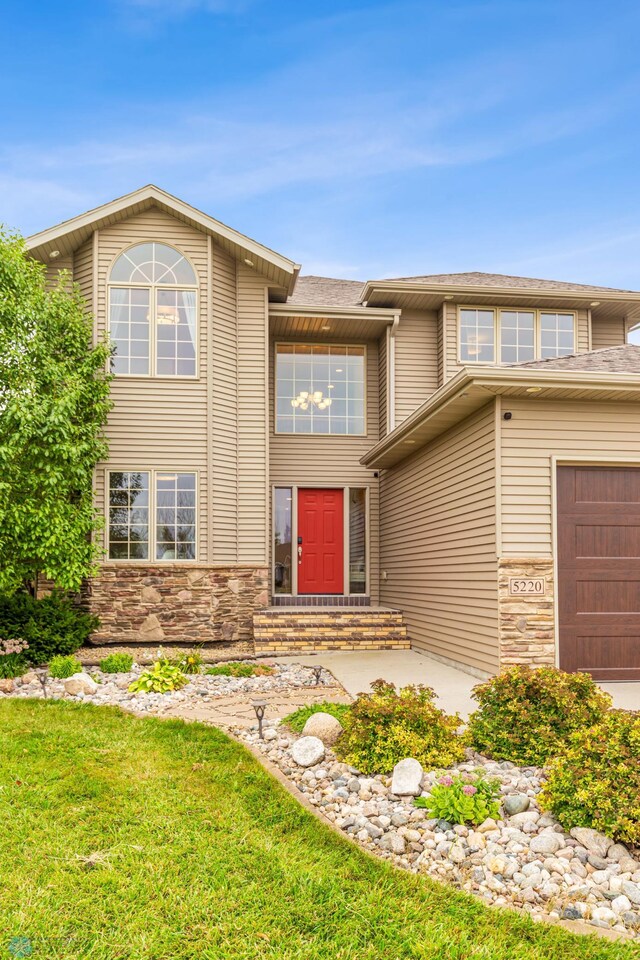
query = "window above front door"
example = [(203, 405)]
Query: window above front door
[(320, 389)]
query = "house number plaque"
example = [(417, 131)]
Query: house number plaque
[(527, 586)]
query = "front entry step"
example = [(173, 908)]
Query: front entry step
[(305, 629)]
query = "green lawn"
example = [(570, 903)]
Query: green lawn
[(198, 853)]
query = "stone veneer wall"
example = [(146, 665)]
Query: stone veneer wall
[(174, 603), (526, 623)]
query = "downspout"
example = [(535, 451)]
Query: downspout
[(391, 373)]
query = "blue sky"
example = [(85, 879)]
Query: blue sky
[(362, 139)]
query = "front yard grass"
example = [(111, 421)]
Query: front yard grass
[(147, 839)]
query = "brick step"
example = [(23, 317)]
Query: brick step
[(302, 629)]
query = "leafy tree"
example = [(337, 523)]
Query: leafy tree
[(54, 400)]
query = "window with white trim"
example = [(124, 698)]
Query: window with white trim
[(320, 388), (517, 336), (152, 312), (152, 514), (477, 335), (521, 335), (557, 334)]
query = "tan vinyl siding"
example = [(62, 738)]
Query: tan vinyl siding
[(223, 430), (55, 267), (83, 271), (322, 461), (539, 430), (582, 331), (416, 361), (608, 333), (438, 544), (252, 416), (383, 376), (160, 423)]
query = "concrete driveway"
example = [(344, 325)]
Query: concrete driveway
[(356, 671)]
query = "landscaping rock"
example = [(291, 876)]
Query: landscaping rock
[(323, 726), (80, 683), (631, 890), (307, 751), (6, 685), (407, 778), (546, 843), (592, 840), (515, 803)]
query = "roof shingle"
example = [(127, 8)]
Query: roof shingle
[(477, 279), (623, 359), (325, 291)]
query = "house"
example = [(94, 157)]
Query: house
[(451, 461)]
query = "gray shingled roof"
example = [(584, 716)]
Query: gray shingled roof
[(624, 359), (477, 279), (325, 291), (316, 291)]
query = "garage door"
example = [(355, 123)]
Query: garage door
[(599, 571)]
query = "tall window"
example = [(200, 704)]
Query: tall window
[(152, 514), (152, 312), (320, 389)]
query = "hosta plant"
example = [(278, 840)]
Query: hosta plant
[(527, 715), (117, 663), (462, 799), (385, 726), (62, 667), (13, 660), (163, 677), (595, 781)]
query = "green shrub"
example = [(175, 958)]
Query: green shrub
[(238, 669), (117, 663), (385, 726), (13, 658), (163, 677), (462, 799), (296, 720), (527, 715), (51, 625), (595, 782), (62, 667), (190, 662)]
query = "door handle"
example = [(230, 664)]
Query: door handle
[(300, 554)]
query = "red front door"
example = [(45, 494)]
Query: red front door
[(320, 541)]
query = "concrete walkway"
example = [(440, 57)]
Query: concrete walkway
[(355, 671)]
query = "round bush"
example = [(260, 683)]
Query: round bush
[(116, 663), (51, 625), (62, 667), (527, 715), (386, 726), (595, 782)]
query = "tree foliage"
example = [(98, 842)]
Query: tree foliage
[(54, 400)]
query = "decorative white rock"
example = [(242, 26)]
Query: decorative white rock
[(592, 840), (547, 843), (307, 750), (324, 726), (407, 778), (80, 683)]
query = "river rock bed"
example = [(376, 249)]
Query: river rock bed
[(525, 860), (113, 688)]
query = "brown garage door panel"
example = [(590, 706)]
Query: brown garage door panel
[(614, 653), (599, 571), (613, 597)]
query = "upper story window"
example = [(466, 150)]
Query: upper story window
[(515, 335), (152, 312), (320, 389)]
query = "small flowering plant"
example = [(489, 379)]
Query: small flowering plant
[(462, 798), (13, 662)]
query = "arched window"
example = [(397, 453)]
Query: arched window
[(152, 312)]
